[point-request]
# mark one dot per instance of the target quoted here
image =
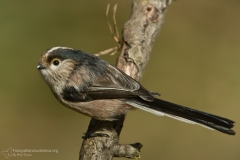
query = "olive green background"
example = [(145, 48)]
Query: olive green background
[(195, 62)]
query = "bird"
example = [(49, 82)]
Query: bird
[(89, 85)]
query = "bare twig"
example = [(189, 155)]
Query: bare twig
[(116, 37), (113, 31), (110, 51)]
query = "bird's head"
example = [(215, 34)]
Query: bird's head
[(57, 64)]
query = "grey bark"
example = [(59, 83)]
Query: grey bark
[(101, 141)]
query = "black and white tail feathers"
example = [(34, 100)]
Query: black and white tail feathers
[(161, 108)]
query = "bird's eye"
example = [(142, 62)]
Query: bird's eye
[(55, 62)]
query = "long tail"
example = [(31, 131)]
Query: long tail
[(161, 108)]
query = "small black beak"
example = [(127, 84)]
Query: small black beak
[(40, 66)]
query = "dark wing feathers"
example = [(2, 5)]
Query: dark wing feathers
[(72, 94), (120, 81), (115, 84)]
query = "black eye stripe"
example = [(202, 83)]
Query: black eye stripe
[(51, 58), (63, 54)]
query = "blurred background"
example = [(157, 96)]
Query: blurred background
[(195, 62)]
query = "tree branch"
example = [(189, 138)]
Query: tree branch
[(139, 34)]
